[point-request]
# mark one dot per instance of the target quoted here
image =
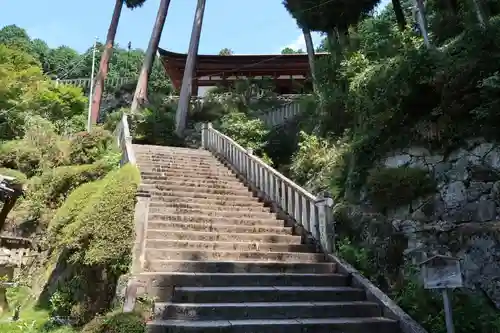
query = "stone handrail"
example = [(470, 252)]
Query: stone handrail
[(281, 114), (312, 213), (124, 141)]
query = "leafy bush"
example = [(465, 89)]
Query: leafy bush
[(393, 187), (86, 148), (71, 207), (20, 178), (40, 148), (53, 186), (25, 93), (319, 164), (102, 231), (471, 311), (247, 132), (117, 322), (90, 237)]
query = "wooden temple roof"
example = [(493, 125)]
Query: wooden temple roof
[(215, 68)]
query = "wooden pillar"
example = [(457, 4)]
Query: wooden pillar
[(194, 88), (182, 108)]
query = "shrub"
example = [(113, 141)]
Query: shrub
[(393, 187), (249, 133), (86, 148), (20, 178), (40, 148), (320, 164), (66, 214), (102, 231), (53, 186), (117, 322)]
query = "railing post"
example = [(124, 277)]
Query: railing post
[(326, 222), (249, 165), (205, 128)]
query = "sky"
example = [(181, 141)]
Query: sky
[(246, 27)]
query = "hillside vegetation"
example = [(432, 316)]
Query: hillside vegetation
[(77, 206)]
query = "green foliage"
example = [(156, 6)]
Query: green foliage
[(86, 148), (56, 184), (91, 236), (67, 213), (320, 165), (40, 148), (20, 178), (471, 312), (65, 62), (247, 132), (25, 93), (101, 233), (117, 322), (394, 187)]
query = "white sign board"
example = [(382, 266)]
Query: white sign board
[(443, 276)]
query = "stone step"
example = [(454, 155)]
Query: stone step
[(266, 294), (211, 206), (201, 279), (221, 237), (226, 246), (170, 151), (241, 191), (228, 197), (216, 213), (159, 175), (187, 167), (203, 161), (183, 254), (157, 198), (216, 227), (316, 325), (237, 267), (193, 174), (210, 183), (214, 220), (190, 169), (270, 310)]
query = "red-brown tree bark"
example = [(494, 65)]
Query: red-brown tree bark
[(104, 64)]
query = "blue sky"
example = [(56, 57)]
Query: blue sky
[(246, 27)]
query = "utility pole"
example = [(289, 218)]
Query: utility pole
[(89, 117)]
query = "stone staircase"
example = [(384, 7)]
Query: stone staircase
[(217, 260)]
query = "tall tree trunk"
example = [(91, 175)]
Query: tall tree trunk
[(184, 98), (400, 15), (480, 13), (332, 39), (310, 55), (141, 91), (104, 64), (452, 6), (422, 22)]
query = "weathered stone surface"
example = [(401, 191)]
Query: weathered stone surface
[(468, 191)]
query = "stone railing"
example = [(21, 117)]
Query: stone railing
[(273, 117), (281, 114), (124, 141), (312, 213)]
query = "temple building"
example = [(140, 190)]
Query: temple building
[(289, 73)]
